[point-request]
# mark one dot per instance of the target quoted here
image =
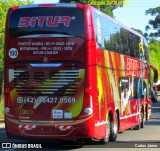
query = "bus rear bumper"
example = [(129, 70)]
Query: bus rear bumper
[(71, 132)]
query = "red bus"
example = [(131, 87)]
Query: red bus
[(72, 73)]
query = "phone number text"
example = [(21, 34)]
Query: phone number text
[(49, 100)]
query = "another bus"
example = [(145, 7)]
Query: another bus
[(73, 73)]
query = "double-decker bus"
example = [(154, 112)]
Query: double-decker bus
[(72, 73)]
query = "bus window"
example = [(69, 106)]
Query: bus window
[(146, 53), (31, 21)]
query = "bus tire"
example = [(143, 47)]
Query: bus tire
[(114, 130), (9, 135), (142, 120), (146, 113), (137, 127), (108, 131)]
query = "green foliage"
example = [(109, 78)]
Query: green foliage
[(154, 24), (154, 48), (139, 31), (4, 6), (1, 108), (106, 6)]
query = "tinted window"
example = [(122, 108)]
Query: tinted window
[(146, 53), (133, 88), (57, 21), (113, 37)]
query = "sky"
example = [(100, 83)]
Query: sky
[(131, 15)]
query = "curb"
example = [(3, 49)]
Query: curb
[(1, 120), (2, 125)]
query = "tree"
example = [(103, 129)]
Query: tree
[(154, 47), (154, 24), (4, 6), (138, 30), (106, 6)]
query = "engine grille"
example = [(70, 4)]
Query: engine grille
[(46, 81)]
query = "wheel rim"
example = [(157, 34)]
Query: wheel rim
[(142, 120), (108, 130), (115, 128)]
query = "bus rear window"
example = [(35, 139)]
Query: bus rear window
[(59, 22)]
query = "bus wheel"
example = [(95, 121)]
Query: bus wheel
[(8, 135), (146, 113), (108, 130), (142, 120), (114, 130), (137, 127)]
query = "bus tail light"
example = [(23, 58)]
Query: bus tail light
[(47, 5), (80, 6), (7, 99), (14, 8), (87, 104), (7, 109)]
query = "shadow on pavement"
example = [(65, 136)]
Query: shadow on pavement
[(68, 145), (155, 118)]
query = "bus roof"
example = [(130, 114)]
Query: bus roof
[(78, 6), (48, 5), (117, 22)]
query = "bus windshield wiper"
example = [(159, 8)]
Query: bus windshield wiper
[(38, 34)]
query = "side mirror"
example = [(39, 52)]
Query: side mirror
[(155, 73)]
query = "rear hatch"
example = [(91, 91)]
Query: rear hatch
[(45, 55)]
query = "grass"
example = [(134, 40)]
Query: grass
[(1, 107)]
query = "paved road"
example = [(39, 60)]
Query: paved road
[(133, 139), (151, 131)]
